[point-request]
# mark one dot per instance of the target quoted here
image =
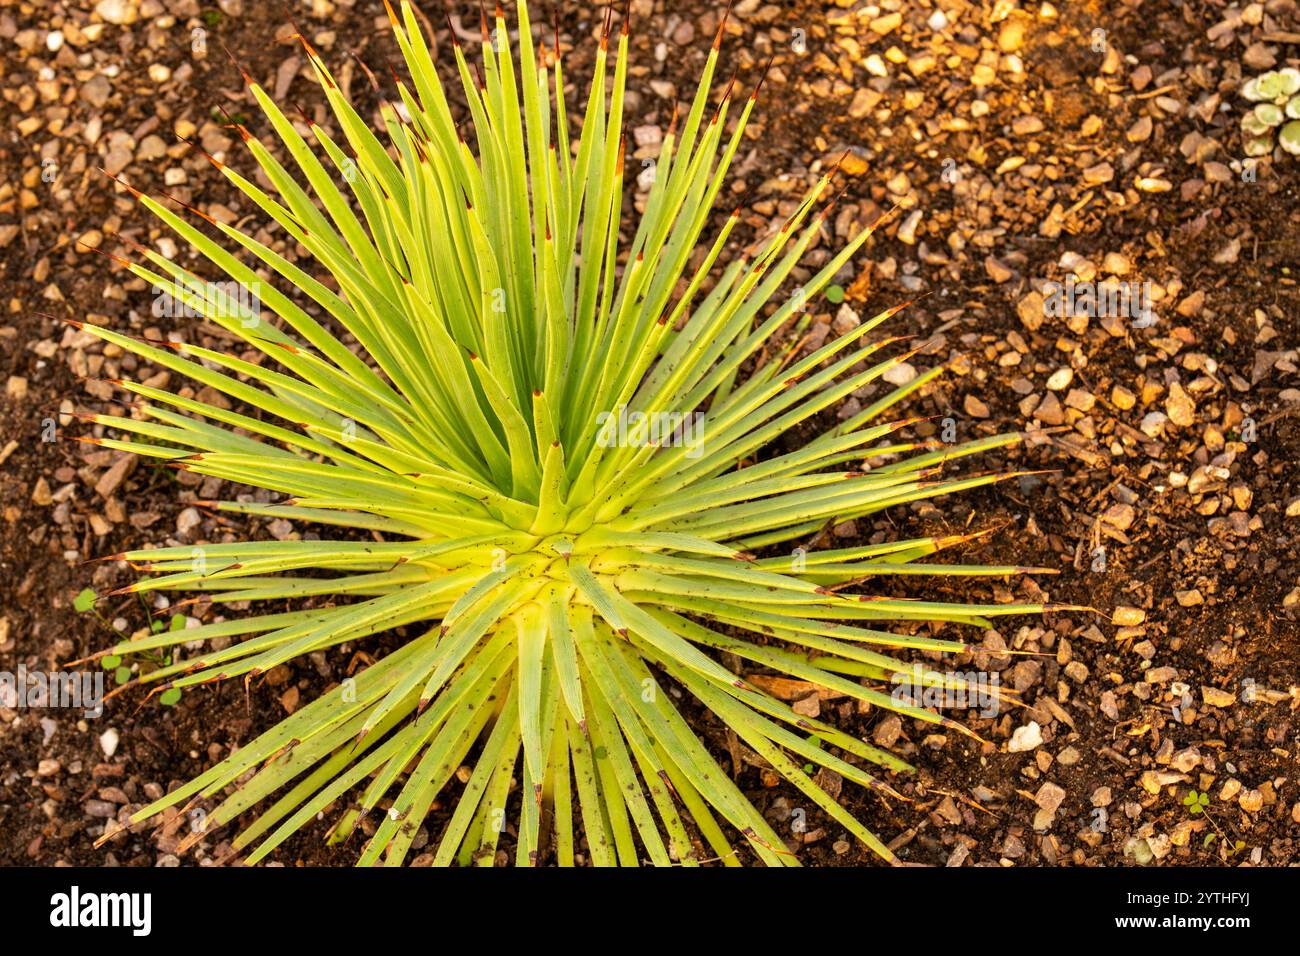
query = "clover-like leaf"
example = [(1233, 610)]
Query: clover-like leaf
[(84, 601), (1196, 802)]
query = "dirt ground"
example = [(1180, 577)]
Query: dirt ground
[(1024, 143)]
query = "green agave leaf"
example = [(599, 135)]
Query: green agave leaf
[(509, 422)]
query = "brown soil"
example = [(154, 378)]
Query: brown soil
[(1115, 733)]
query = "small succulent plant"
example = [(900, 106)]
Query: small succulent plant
[(1276, 95)]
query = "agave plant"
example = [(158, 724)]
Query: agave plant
[(443, 385), (1276, 95)]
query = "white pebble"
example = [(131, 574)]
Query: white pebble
[(1025, 738), (1060, 378), (900, 374), (108, 741)]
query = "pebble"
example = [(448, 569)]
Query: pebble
[(1153, 780), (1061, 378), (1012, 35), (1126, 616), (1049, 796), (1078, 398), (1153, 185), (1119, 516), (1098, 174), (846, 320), (900, 374), (1153, 424), (1186, 760), (887, 732), (117, 12), (1140, 131), (1026, 125), (96, 90), (1049, 410), (907, 230), (997, 270), (810, 706), (188, 520), (99, 809), (1025, 738), (1180, 407), (886, 24), (1031, 311), (1116, 264), (108, 742), (110, 481), (1214, 697)]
